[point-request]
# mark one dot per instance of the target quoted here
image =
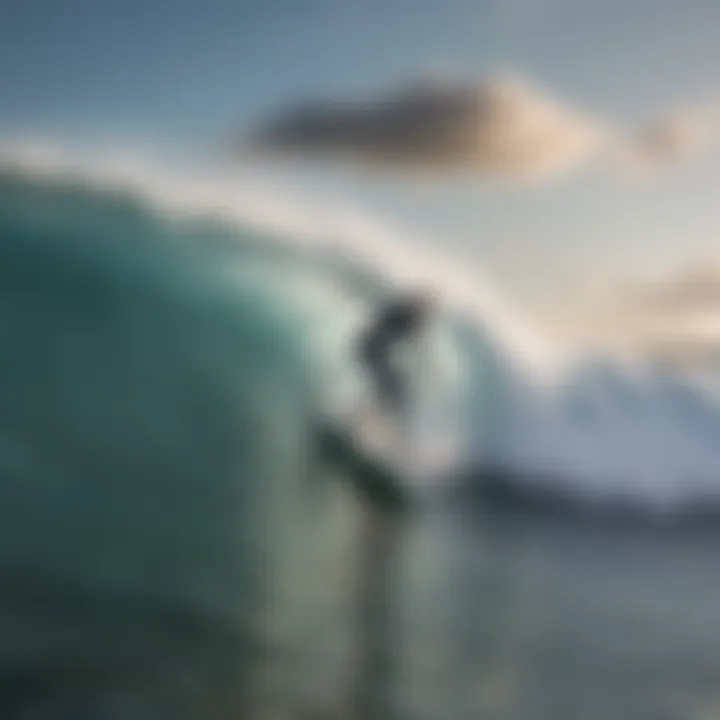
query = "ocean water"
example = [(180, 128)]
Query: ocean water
[(524, 617), (166, 351)]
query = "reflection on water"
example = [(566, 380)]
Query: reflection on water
[(522, 618)]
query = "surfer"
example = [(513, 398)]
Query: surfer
[(398, 321)]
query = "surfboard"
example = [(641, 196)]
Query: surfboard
[(362, 455)]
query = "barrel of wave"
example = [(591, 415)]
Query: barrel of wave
[(153, 471)]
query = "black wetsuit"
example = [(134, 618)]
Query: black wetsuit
[(396, 322)]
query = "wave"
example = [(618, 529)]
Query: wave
[(304, 277)]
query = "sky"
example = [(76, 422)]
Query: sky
[(574, 250)]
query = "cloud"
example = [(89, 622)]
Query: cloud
[(675, 316), (673, 139), (503, 129), (690, 290)]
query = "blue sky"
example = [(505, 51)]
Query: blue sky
[(189, 68), (181, 74)]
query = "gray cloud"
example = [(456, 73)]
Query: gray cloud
[(502, 129)]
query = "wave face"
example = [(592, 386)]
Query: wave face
[(156, 389), (273, 297)]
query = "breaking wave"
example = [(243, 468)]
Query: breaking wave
[(301, 279)]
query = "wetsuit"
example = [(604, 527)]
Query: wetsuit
[(396, 323)]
